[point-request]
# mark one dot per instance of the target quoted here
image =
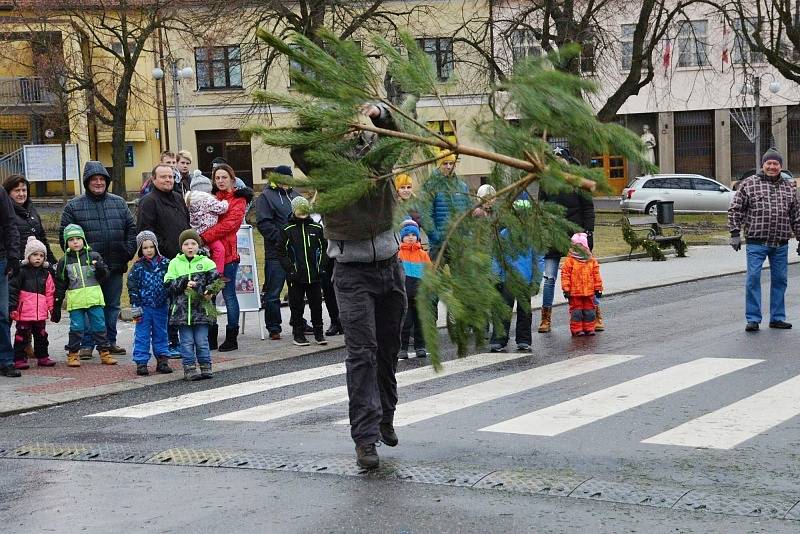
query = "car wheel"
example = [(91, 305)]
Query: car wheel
[(651, 209)]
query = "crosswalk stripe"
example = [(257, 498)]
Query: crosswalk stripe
[(311, 401), (190, 400), (586, 409), (472, 395), (736, 423)]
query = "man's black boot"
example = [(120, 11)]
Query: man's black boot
[(367, 456), (335, 329), (388, 435), (783, 325), (751, 327), (299, 338), (230, 343)]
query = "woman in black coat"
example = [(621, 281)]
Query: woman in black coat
[(25, 215)]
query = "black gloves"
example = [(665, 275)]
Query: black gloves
[(598, 294), (55, 315), (736, 242), (245, 192), (566, 294)]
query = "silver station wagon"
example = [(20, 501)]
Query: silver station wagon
[(689, 192)]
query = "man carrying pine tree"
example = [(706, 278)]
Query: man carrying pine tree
[(370, 291)]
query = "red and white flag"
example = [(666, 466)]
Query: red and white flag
[(667, 60)]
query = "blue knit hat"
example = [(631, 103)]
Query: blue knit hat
[(283, 169), (409, 227)]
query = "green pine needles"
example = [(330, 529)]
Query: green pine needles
[(333, 80)]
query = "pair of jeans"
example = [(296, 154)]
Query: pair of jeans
[(372, 307), (524, 322), (549, 277), (297, 295), (88, 319), (778, 267), (229, 294), (6, 350), (112, 291), (194, 344), (22, 339), (151, 330), (274, 278)]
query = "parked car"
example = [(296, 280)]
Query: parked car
[(689, 192)]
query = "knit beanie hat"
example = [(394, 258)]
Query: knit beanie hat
[(486, 190), (409, 227), (201, 183), (449, 157), (772, 154), (191, 233), (581, 239), (146, 235), (301, 207), (402, 180), (33, 245), (74, 230)]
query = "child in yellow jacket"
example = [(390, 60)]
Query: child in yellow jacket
[(581, 283)]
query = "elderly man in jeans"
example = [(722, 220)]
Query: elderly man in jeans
[(765, 206)]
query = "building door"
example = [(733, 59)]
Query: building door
[(694, 142), (226, 144), (615, 169)]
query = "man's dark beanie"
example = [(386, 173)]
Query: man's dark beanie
[(773, 154), (284, 170)]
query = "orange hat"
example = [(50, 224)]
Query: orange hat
[(401, 180), (449, 157)]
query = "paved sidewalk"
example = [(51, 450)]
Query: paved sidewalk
[(41, 387)]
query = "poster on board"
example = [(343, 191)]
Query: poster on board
[(247, 288)]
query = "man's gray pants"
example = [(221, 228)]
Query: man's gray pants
[(372, 308)]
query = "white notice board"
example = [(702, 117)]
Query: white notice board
[(43, 162), (247, 288)]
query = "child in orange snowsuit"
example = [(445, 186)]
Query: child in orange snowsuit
[(581, 283)]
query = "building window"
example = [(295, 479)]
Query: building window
[(440, 50), (524, 44), (743, 53), (690, 44), (218, 67), (627, 45)]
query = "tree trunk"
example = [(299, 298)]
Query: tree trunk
[(118, 155)]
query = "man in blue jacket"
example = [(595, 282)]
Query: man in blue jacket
[(273, 209), (448, 197), (110, 231)]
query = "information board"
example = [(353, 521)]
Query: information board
[(247, 287), (43, 162)]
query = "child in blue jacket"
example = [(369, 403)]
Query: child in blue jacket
[(147, 291)]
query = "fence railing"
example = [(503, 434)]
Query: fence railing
[(23, 91), (13, 163)]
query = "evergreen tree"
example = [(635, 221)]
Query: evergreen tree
[(334, 80)]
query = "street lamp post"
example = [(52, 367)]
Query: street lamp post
[(754, 85), (177, 75)]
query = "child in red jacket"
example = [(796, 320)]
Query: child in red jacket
[(581, 283), (31, 298)]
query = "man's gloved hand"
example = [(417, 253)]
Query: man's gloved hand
[(566, 294), (598, 294), (736, 242), (55, 315)]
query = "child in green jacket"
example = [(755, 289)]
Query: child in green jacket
[(192, 280), (78, 277)]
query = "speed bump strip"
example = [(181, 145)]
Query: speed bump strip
[(752, 506), (539, 483), (196, 457), (48, 451)]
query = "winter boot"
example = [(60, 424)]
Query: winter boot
[(73, 360), (599, 326), (106, 359), (388, 435), (319, 337), (213, 337), (544, 326), (205, 371), (21, 363), (367, 456), (141, 369), (10, 372), (335, 329), (45, 361), (162, 365), (299, 337), (230, 342), (190, 373)]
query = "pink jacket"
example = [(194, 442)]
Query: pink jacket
[(31, 294), (204, 210)]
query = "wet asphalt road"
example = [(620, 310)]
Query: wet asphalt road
[(666, 327)]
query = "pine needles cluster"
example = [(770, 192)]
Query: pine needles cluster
[(331, 82)]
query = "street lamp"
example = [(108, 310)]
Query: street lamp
[(752, 84), (177, 75)]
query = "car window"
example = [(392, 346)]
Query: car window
[(656, 183), (705, 185), (677, 183)]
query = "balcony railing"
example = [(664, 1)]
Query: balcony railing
[(20, 92)]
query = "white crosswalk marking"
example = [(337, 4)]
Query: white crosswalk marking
[(208, 396), (586, 409), (311, 401), (457, 399), (736, 423)]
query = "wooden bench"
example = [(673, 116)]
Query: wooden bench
[(639, 231)]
